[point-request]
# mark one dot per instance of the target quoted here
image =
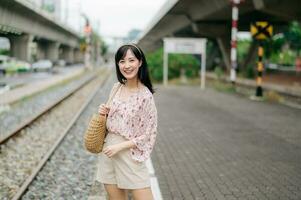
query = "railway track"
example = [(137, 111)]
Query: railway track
[(44, 110), (34, 141)]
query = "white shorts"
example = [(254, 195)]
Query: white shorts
[(121, 169)]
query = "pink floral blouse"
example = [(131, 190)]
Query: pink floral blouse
[(135, 118)]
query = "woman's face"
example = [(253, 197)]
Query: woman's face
[(129, 65)]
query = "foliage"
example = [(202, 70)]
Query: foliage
[(249, 72), (103, 48), (286, 58), (218, 72), (282, 48), (274, 48), (155, 64), (293, 36), (4, 52), (175, 63), (242, 49)]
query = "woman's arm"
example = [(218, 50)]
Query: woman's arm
[(126, 145), (113, 149)]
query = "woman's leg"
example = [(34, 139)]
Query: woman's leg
[(116, 193), (143, 194)]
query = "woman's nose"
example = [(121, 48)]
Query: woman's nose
[(127, 65)]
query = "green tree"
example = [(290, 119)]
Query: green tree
[(155, 64), (293, 36), (175, 63)]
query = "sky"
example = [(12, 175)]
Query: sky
[(114, 17)]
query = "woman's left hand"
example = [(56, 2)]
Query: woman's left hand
[(111, 150)]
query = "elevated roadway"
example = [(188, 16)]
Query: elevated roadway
[(23, 24), (212, 19)]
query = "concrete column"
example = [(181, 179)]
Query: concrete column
[(21, 47), (52, 51), (213, 57), (41, 53), (225, 47), (68, 54), (78, 56)]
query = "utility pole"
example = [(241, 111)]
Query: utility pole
[(88, 32), (234, 31)]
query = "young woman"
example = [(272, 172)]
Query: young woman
[(132, 128)]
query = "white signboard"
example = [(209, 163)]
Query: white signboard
[(185, 46)]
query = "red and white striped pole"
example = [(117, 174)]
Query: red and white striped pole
[(234, 31)]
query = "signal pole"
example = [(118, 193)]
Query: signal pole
[(234, 31), (259, 71), (260, 31), (88, 32)]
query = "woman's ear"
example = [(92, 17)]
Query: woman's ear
[(140, 63)]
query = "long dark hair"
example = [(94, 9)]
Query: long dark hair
[(143, 74)]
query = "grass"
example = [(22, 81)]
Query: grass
[(221, 86), (272, 96), (215, 84), (243, 91)]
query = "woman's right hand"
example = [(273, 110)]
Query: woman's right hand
[(103, 109)]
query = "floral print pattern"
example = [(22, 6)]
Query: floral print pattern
[(135, 118)]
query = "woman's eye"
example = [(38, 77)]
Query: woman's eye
[(131, 60), (121, 61)]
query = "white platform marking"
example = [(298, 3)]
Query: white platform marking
[(154, 181)]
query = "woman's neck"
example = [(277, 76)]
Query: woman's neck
[(132, 84)]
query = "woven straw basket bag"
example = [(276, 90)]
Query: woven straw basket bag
[(96, 131)]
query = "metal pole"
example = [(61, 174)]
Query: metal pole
[(88, 32), (165, 69), (203, 69), (259, 71), (234, 40)]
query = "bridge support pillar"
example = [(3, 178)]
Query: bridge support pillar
[(41, 54), (21, 47), (52, 51), (78, 56), (68, 54), (225, 47)]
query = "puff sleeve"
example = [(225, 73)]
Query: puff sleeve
[(147, 130)]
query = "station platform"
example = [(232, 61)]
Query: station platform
[(210, 145), (270, 83), (220, 146), (37, 85), (214, 145)]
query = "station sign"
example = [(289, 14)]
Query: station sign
[(184, 45)]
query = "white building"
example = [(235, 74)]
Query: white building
[(65, 11)]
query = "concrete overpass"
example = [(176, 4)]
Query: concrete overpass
[(212, 19), (23, 24)]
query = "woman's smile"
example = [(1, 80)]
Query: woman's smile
[(129, 65), (128, 71)]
